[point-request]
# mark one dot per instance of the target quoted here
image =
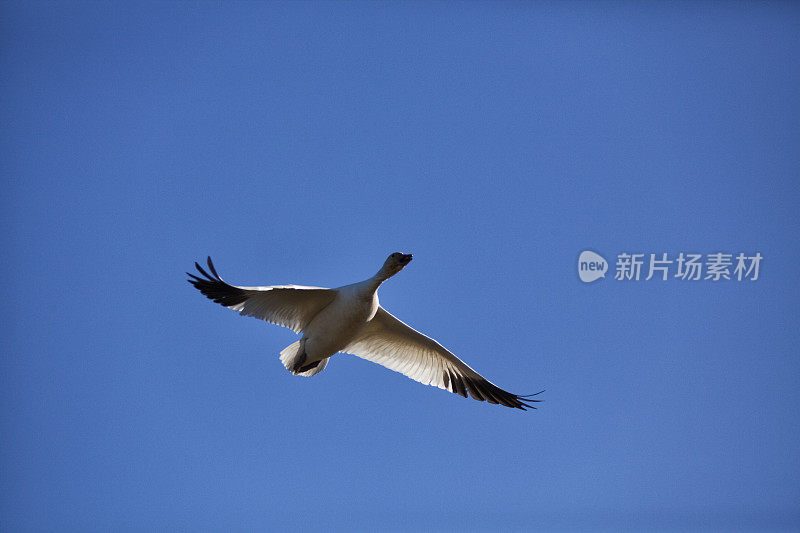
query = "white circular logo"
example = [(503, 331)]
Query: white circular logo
[(591, 266)]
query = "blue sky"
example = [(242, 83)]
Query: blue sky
[(302, 143)]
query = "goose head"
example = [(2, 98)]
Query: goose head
[(394, 264)]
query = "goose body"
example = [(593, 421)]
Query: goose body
[(337, 324), (350, 319)]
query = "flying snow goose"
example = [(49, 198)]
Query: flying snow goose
[(349, 319)]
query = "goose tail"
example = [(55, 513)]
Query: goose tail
[(293, 358)]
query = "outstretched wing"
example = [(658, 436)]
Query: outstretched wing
[(389, 342), (291, 306)]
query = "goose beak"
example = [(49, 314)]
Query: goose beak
[(406, 259)]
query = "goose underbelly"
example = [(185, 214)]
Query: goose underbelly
[(336, 325)]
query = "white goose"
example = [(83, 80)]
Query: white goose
[(349, 319)]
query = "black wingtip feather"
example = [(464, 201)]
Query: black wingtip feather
[(473, 390), (203, 272), (483, 390), (458, 384), (213, 270), (214, 288)]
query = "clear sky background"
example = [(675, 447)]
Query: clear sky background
[(304, 142)]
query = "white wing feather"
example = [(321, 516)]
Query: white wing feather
[(290, 306), (391, 343)]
